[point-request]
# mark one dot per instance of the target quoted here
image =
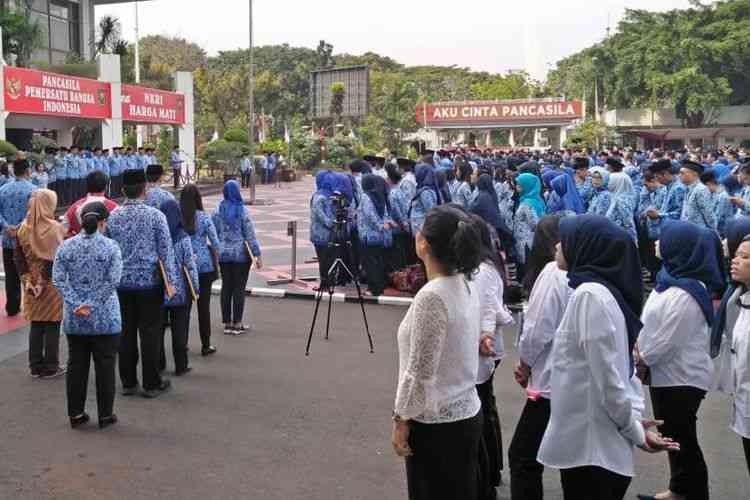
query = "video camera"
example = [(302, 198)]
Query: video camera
[(341, 215)]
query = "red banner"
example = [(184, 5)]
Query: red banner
[(490, 113), (141, 104), (40, 93)]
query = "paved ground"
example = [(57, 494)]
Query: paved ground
[(260, 420)]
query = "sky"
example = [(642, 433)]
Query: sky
[(485, 35)]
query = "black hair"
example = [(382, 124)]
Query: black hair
[(708, 177), (96, 182), (490, 250), (154, 177), (745, 169), (450, 175), (91, 214), (134, 191), (454, 240), (190, 202), (648, 176), (393, 174), (4, 170), (464, 171), (359, 166), (546, 237), (20, 167)]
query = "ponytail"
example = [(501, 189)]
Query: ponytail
[(90, 222), (91, 214), (454, 240)]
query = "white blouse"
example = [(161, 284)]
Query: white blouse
[(675, 340), (493, 316), (596, 402), (547, 302), (741, 370), (438, 346)]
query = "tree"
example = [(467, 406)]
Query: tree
[(21, 34), (109, 37), (224, 98), (338, 94)]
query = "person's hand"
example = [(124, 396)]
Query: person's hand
[(258, 262), (651, 213), (487, 345), (522, 372), (12, 231), (82, 310), (655, 442), (400, 438), (737, 201)]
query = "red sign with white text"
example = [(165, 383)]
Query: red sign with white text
[(145, 105), (40, 93), (489, 113)]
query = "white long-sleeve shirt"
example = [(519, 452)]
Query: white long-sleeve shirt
[(596, 404), (547, 302), (675, 340), (438, 347), (493, 316), (741, 370)]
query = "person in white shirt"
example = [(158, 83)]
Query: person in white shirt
[(437, 420), (548, 297), (596, 401), (674, 345), (493, 316)]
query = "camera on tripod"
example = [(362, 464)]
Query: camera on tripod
[(341, 216)]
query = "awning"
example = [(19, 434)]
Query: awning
[(669, 134)]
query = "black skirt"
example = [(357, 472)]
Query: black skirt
[(445, 464)]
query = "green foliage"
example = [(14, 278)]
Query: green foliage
[(340, 150), (21, 34), (590, 134), (130, 137), (236, 135), (40, 143), (338, 94), (222, 150), (7, 149), (277, 146), (80, 69)]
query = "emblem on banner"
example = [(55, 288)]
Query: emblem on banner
[(13, 88), (102, 96)]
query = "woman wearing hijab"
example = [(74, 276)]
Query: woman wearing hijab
[(374, 226), (622, 209), (504, 190), (548, 290), (177, 308), (322, 223), (465, 191), (443, 187), (530, 209), (485, 205), (569, 201), (399, 209), (87, 271), (39, 237), (673, 344), (601, 198), (428, 196), (551, 197), (239, 248), (596, 403), (199, 226)]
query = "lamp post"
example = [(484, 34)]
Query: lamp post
[(138, 128), (596, 88), (251, 103)]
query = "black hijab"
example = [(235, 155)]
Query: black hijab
[(546, 236), (376, 188), (190, 202), (485, 204)]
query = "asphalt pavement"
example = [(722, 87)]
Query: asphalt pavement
[(260, 420)]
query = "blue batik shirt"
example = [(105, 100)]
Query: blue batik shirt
[(143, 235), (321, 220), (186, 266), (699, 207), (724, 211), (370, 226), (155, 196), (205, 233), (586, 191), (524, 225), (622, 212), (399, 210), (419, 207), (233, 238), (453, 187), (505, 202), (464, 195), (649, 200), (14, 203), (408, 185), (744, 195), (672, 208), (87, 271), (61, 168)]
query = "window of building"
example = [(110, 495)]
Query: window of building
[(59, 21)]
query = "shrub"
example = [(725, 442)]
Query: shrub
[(236, 135), (7, 149)]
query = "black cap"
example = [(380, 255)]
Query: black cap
[(370, 158), (429, 152), (154, 170), (405, 162), (380, 160), (615, 162), (695, 167), (662, 165), (580, 162), (133, 177)]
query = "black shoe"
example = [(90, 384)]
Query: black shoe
[(155, 393), (131, 391), (54, 373), (107, 421), (207, 351), (646, 497), (229, 330), (187, 370), (78, 421)]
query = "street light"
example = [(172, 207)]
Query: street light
[(594, 60)]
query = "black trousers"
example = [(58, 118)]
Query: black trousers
[(746, 448), (492, 435), (12, 283), (373, 263), (245, 178), (525, 472), (81, 348), (678, 407), (178, 319), (396, 255), (176, 172), (326, 257), (44, 346), (205, 280), (233, 282), (445, 464), (593, 483), (141, 312)]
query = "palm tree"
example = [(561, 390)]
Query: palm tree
[(21, 35)]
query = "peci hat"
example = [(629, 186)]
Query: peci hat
[(154, 170), (662, 165), (405, 162), (695, 167), (580, 162), (133, 177)]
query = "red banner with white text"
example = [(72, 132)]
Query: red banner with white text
[(497, 113), (145, 105), (35, 92)]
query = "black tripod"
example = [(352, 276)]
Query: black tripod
[(335, 272)]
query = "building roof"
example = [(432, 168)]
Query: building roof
[(667, 134)]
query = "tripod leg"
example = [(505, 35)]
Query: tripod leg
[(364, 314), (333, 278), (318, 298), (330, 303)]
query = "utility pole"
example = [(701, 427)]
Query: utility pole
[(251, 88), (138, 128)]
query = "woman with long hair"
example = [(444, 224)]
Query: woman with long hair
[(530, 209), (87, 271), (437, 422), (464, 191), (206, 247), (38, 238), (239, 249)]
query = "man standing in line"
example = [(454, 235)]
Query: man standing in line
[(246, 170), (155, 195), (149, 270), (176, 163), (14, 201)]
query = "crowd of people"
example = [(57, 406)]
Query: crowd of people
[(115, 277), (585, 231)]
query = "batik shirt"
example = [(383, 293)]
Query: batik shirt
[(143, 235), (370, 225), (505, 203), (322, 220), (621, 212), (186, 266), (524, 225), (409, 186), (399, 210), (40, 179), (205, 233), (464, 195), (724, 211), (233, 238), (586, 191), (649, 200), (675, 199), (14, 203), (745, 195), (156, 196), (87, 270), (698, 207), (453, 187), (419, 207)]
